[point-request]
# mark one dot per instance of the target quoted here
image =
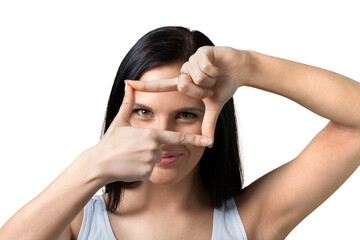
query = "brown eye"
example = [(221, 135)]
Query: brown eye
[(142, 112)]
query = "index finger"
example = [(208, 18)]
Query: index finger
[(173, 84), (164, 85), (181, 138)]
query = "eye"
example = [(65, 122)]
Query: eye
[(142, 112), (187, 115)]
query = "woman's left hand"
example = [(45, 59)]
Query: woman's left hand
[(212, 74)]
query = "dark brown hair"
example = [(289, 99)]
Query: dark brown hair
[(220, 166)]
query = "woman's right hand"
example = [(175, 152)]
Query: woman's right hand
[(127, 153)]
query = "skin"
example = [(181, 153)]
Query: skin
[(125, 153), (291, 192), (169, 116), (286, 195), (172, 190)]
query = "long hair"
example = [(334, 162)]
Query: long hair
[(220, 166)]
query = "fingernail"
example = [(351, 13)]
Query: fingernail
[(206, 141)]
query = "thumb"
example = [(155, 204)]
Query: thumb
[(211, 115), (123, 116)]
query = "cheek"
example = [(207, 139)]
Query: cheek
[(193, 128), (195, 153), (136, 122)]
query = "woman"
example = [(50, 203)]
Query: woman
[(161, 182)]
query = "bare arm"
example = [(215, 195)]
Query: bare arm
[(125, 153), (51, 212), (273, 205), (323, 92), (291, 192)]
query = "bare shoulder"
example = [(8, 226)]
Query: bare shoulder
[(76, 225)]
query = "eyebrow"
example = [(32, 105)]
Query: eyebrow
[(185, 109)]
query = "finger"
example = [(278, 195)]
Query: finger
[(181, 138), (206, 61), (186, 86), (123, 116), (210, 119), (163, 85), (198, 76)]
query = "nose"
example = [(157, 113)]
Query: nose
[(164, 123)]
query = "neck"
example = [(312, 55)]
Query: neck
[(187, 194)]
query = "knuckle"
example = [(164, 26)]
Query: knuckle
[(146, 171), (180, 137), (157, 86), (201, 94), (148, 158), (197, 78), (183, 87), (192, 58), (206, 67), (126, 100), (153, 146), (204, 49), (184, 67)]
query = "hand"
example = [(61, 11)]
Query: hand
[(127, 153), (212, 74)]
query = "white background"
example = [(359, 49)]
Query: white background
[(58, 61)]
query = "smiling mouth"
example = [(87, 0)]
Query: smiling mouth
[(169, 158)]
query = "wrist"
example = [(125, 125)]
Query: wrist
[(250, 67), (86, 163)]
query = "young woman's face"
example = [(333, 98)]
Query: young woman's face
[(171, 111)]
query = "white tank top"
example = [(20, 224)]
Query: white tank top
[(96, 225)]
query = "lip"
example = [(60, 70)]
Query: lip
[(169, 158)]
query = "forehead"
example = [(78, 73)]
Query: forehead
[(172, 99), (161, 72)]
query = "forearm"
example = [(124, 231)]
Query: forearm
[(323, 92), (48, 214)]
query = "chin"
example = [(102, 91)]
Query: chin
[(164, 177), (170, 176)]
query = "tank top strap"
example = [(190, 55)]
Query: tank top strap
[(96, 224), (227, 223)]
